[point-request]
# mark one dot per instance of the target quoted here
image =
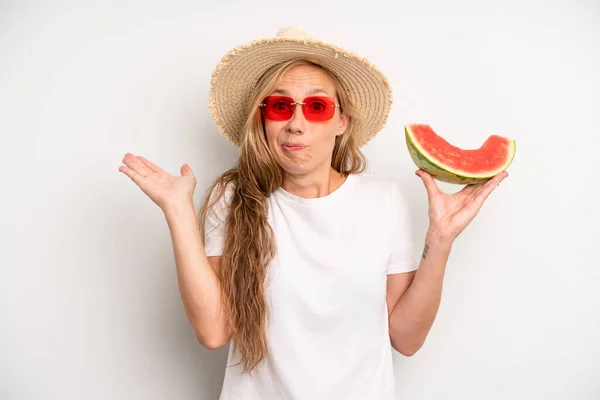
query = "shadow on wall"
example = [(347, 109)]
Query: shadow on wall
[(149, 345)]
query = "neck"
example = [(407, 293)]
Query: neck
[(315, 184)]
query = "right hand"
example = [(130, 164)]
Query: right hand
[(163, 188)]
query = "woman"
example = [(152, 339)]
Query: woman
[(303, 261)]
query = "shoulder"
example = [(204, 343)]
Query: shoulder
[(384, 190), (221, 192), (383, 184), (219, 198)]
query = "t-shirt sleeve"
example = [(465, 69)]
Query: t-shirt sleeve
[(402, 257), (215, 224)]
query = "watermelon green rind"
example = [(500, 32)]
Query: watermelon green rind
[(447, 174)]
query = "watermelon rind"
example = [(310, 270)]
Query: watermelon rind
[(445, 173)]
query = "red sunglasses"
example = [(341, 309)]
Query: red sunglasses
[(314, 108)]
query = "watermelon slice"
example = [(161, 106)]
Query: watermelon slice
[(448, 163)]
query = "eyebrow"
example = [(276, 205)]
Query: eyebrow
[(310, 91)]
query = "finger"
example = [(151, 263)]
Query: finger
[(132, 174), (478, 188), (151, 166), (470, 189), (488, 188), (134, 163), (493, 181), (186, 170), (429, 182)]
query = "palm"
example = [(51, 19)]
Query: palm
[(162, 188), (449, 214)]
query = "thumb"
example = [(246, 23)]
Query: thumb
[(186, 170), (430, 185)]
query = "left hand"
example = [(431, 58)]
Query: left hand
[(449, 214)]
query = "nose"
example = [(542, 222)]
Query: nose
[(297, 124)]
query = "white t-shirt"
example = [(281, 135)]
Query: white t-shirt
[(327, 334)]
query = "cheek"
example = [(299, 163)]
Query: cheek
[(327, 133), (271, 133)]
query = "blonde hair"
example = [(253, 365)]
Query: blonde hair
[(249, 245)]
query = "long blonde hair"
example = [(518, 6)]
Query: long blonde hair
[(249, 245)]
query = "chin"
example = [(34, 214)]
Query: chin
[(296, 169), (298, 163)]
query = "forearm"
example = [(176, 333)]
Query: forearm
[(414, 313), (198, 282)]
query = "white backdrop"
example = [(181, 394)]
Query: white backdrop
[(89, 305)]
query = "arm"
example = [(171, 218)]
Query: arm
[(196, 274), (197, 277), (414, 297)]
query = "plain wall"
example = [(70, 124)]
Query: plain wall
[(89, 303)]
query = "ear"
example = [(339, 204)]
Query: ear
[(342, 125)]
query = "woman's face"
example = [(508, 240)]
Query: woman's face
[(300, 146)]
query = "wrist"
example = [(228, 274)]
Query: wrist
[(177, 208), (437, 238)]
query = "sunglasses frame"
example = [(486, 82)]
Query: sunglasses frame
[(302, 103)]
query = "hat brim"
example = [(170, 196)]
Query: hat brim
[(240, 69)]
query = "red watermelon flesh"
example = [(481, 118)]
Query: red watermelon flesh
[(449, 163)]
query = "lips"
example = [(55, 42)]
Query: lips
[(292, 146)]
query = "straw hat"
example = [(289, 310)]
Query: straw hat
[(236, 75)]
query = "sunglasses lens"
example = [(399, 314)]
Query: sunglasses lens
[(319, 108), (278, 108)]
